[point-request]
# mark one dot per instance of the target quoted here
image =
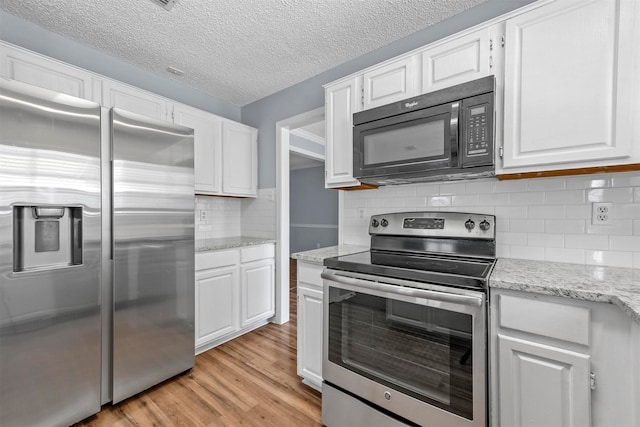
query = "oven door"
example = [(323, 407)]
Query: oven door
[(408, 142), (419, 353)]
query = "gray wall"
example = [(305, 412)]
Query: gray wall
[(309, 94), (313, 211), (30, 36)]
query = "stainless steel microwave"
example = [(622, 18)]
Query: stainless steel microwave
[(443, 135)]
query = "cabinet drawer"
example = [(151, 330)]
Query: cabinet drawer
[(216, 259), (310, 273), (254, 253), (559, 321)]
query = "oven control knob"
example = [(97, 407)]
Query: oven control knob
[(387, 395), (374, 223), (384, 222), (469, 224), (484, 225)]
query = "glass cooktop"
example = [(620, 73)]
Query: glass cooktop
[(445, 270)]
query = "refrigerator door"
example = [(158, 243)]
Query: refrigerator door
[(49, 257), (153, 251)]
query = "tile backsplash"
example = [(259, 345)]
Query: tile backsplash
[(222, 217), (540, 219), (259, 215)]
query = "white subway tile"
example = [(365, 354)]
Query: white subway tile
[(545, 240), (452, 188), (567, 197), (502, 225), (636, 227), (545, 212), (628, 179), (414, 202), (439, 201), (578, 212), (636, 260), (626, 210), (493, 199), (636, 195), (503, 251), (621, 195), (527, 198), (427, 189), (592, 181), (376, 203), (574, 256), (586, 241), (508, 212), (203, 228), (566, 226), (527, 252), (467, 200), (618, 227), (527, 225), (609, 258), (625, 243), (480, 187), (511, 238), (546, 184), (510, 186)]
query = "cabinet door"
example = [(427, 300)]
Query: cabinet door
[(341, 101), (39, 71), (207, 147), (389, 83), (128, 98), (257, 291), (456, 61), (216, 303), (568, 85), (310, 334), (239, 159), (540, 385)]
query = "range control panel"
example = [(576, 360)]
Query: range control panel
[(434, 224)]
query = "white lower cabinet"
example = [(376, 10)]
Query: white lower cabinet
[(234, 293), (558, 361), (310, 323), (542, 385)]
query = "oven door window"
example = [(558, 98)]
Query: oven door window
[(421, 351)]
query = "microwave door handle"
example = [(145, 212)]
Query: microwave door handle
[(402, 290), (453, 132)]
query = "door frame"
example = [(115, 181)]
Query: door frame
[(282, 206)]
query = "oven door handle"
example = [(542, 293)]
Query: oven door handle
[(403, 290)]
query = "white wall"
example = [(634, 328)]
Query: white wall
[(539, 219)]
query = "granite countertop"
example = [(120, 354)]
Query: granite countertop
[(619, 286), (204, 245), (319, 255)]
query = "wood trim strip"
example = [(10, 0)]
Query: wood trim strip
[(570, 172), (357, 187)]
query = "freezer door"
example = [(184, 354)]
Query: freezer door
[(153, 251), (49, 257)]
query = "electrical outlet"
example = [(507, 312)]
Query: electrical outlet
[(203, 215), (602, 213), (360, 213)]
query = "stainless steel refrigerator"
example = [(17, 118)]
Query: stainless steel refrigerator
[(96, 255)]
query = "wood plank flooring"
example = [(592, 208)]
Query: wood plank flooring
[(249, 381)]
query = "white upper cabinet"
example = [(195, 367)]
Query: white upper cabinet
[(120, 95), (571, 85), (40, 71), (239, 159), (456, 61), (341, 101), (207, 148), (390, 82)]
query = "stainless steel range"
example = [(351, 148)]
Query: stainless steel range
[(405, 323)]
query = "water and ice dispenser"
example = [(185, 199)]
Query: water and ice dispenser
[(46, 237)]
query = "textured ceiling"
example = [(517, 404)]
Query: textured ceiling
[(236, 50)]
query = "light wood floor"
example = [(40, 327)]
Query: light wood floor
[(249, 381)]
